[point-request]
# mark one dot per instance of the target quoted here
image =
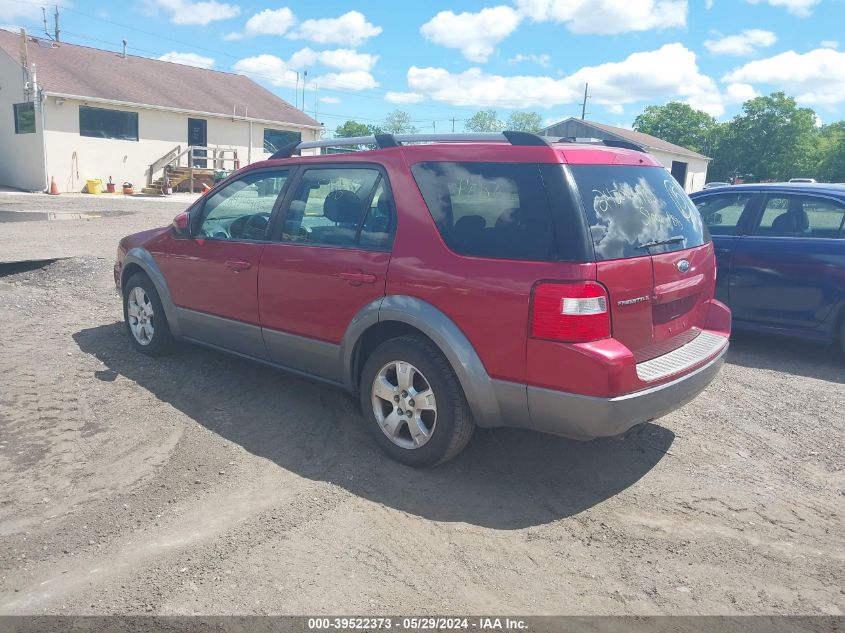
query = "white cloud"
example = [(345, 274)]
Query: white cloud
[(404, 98), (13, 9), (351, 29), (476, 35), (608, 16), (740, 93), (829, 44), (744, 43), (278, 72), (614, 83), (330, 100), (267, 68), (355, 80), (543, 60), (801, 8), (816, 77), (266, 22), (615, 108), (188, 59), (347, 59), (186, 12)]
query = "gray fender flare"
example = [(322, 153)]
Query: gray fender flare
[(142, 257), (477, 385)]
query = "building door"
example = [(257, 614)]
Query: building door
[(679, 172), (198, 137)]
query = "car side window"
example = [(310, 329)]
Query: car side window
[(329, 205), (241, 210), (788, 215), (721, 213)]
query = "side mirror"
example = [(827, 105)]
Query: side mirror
[(180, 228)]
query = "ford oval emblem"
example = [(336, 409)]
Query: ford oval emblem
[(683, 265)]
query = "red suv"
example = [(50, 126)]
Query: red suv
[(449, 281)]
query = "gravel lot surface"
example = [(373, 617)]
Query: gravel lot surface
[(201, 483)]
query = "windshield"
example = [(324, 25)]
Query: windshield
[(636, 211)]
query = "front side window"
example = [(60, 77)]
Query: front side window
[(329, 206), (105, 123), (634, 211), (241, 210), (787, 215), (274, 140), (722, 213), (24, 118), (496, 210)]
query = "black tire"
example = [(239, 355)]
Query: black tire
[(162, 341), (454, 424)]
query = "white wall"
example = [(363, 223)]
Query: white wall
[(21, 155), (696, 168), (73, 159)]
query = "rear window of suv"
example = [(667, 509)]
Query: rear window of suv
[(496, 210), (629, 207)]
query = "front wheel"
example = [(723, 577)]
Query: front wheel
[(144, 316), (413, 403)]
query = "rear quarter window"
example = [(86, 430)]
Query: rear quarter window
[(496, 210), (629, 207)]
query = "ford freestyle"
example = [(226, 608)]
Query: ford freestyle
[(448, 281)]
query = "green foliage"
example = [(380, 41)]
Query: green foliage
[(831, 165), (484, 121), (398, 122), (353, 128), (678, 123), (524, 122)]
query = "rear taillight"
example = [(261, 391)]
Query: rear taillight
[(570, 312)]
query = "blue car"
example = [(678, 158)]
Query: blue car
[(780, 250)]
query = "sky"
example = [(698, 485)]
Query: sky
[(445, 59)]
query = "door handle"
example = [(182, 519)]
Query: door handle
[(358, 278), (722, 251), (237, 265)]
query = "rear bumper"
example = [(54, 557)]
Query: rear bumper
[(585, 417)]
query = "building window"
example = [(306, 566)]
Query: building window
[(103, 123), (274, 140), (24, 118)]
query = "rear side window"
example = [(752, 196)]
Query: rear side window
[(634, 211), (496, 210), (801, 216)]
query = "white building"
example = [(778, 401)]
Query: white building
[(688, 167), (73, 113)]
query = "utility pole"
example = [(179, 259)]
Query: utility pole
[(584, 103), (58, 31), (453, 124), (434, 126), (304, 79)]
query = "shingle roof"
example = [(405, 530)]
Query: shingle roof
[(97, 74), (646, 140)]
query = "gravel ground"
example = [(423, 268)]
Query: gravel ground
[(201, 483)]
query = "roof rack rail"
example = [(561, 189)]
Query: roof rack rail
[(382, 141), (606, 142)]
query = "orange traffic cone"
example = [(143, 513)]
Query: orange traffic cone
[(205, 187), (54, 190)]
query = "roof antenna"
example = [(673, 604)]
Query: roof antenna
[(124, 48), (44, 16)]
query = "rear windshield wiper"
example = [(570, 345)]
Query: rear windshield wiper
[(669, 240)]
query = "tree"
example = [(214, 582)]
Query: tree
[(353, 128), (398, 122), (484, 121), (524, 122), (831, 164), (773, 139), (678, 123)]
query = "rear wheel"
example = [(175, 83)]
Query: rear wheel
[(144, 316), (413, 403)]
